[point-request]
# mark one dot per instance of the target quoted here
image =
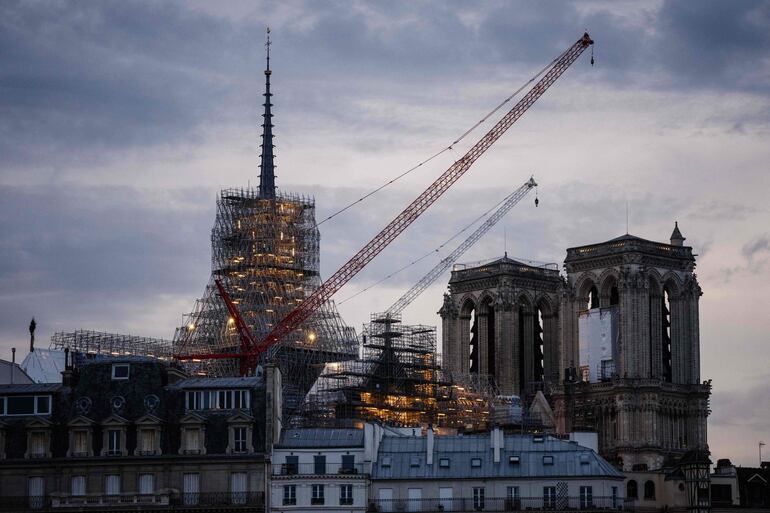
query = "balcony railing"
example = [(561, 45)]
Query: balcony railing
[(604, 504), (228, 501), (313, 469)]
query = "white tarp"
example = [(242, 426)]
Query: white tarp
[(44, 365), (598, 342)]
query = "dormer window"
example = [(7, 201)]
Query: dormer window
[(514, 460), (443, 462), (148, 430), (475, 462), (38, 442), (385, 462), (25, 405), (114, 445), (120, 370), (193, 434), (240, 428), (547, 460)]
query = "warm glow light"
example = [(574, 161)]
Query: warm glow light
[(311, 337), (191, 326), (230, 320)]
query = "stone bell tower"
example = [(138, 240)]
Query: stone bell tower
[(501, 318), (645, 399)]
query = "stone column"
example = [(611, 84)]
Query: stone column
[(482, 334), (450, 342), (504, 341)]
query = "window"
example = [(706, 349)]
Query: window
[(241, 399), (585, 459), (547, 460), (147, 440), (348, 464), (112, 484), (478, 498), (225, 400), (78, 488), (319, 462), (513, 460), (190, 488), (80, 442), (292, 465), (586, 497), (239, 439), (512, 498), (649, 490), (25, 405), (445, 498), (414, 461), (346, 495), (36, 492), (475, 462), (114, 447), (192, 437), (549, 497), (120, 370), (632, 490), (42, 405), (538, 439), (146, 484), (415, 499), (386, 460), (614, 497), (443, 462), (37, 440), (238, 488), (290, 495), (318, 494)]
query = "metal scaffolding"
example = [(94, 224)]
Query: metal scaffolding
[(89, 342), (398, 381), (265, 251)]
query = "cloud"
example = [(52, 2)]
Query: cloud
[(756, 247)]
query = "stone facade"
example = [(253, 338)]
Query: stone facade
[(137, 433), (502, 319), (653, 407)]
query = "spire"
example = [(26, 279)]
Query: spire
[(676, 236), (267, 165)]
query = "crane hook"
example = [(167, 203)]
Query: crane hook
[(592, 55), (537, 201)]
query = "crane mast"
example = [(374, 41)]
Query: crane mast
[(445, 263), (312, 303)]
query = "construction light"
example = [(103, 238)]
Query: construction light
[(191, 326), (311, 337), (230, 320)]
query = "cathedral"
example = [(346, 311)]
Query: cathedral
[(613, 345)]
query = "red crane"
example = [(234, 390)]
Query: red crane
[(251, 349)]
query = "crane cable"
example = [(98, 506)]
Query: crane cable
[(429, 253), (448, 148)]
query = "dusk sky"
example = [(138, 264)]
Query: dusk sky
[(121, 121)]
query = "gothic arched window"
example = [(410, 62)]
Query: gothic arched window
[(632, 491), (649, 490)]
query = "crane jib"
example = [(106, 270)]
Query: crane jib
[(301, 313)]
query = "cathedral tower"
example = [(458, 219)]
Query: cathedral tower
[(631, 350)]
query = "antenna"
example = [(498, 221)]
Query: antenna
[(626, 217)]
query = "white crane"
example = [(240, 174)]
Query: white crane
[(445, 263)]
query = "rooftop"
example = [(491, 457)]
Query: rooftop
[(30, 388), (321, 437), (236, 382), (521, 456)]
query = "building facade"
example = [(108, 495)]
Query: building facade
[(135, 432), (323, 469), (491, 472), (614, 344)]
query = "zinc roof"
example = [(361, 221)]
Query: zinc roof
[(236, 382), (407, 458), (30, 388), (321, 437)]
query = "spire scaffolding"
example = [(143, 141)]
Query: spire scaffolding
[(267, 164)]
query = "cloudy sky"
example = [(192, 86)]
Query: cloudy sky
[(120, 121)]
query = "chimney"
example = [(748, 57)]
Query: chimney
[(13, 363), (66, 374), (496, 438), (431, 441)]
